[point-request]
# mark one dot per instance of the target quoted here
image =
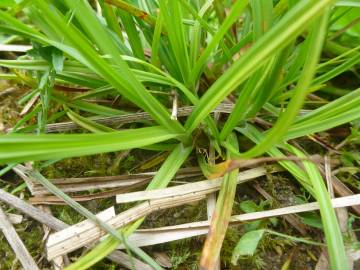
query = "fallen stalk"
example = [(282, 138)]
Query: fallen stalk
[(21, 170), (53, 200), (100, 182), (127, 118), (172, 233), (58, 225), (147, 237), (161, 199), (84, 236), (15, 242), (201, 187)]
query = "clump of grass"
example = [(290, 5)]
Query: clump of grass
[(275, 61)]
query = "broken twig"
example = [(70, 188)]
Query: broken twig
[(16, 244)]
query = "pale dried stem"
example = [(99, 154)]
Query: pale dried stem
[(16, 244), (201, 187), (147, 237), (127, 118), (57, 225), (73, 238)]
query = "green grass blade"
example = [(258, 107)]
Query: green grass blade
[(338, 70), (23, 147), (132, 34), (170, 167), (334, 240), (281, 34), (86, 17), (316, 39), (262, 16), (245, 99), (236, 10), (156, 40), (173, 19), (109, 13), (86, 106), (86, 123), (86, 54)]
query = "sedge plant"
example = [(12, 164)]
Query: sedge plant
[(268, 58)]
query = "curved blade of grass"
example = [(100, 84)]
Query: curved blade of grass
[(256, 136), (253, 89), (316, 39), (87, 123), (281, 34), (87, 106), (83, 51), (24, 147), (350, 57), (298, 56), (245, 40), (335, 113), (88, 20), (338, 70), (272, 82), (79, 104), (334, 240), (311, 127), (76, 73), (337, 106), (245, 99), (132, 34)]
